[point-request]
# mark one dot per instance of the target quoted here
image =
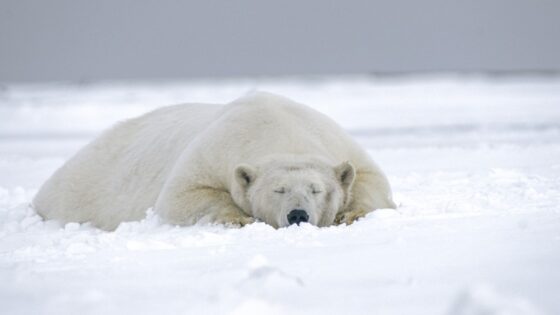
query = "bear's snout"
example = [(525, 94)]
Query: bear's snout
[(297, 216)]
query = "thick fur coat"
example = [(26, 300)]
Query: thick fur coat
[(257, 158)]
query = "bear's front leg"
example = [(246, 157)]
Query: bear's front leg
[(348, 217), (201, 205)]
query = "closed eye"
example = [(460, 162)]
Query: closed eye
[(315, 190), (280, 191)]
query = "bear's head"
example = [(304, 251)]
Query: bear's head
[(281, 194)]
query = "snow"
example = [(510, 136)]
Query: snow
[(474, 163)]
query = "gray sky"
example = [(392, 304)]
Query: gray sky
[(44, 40)]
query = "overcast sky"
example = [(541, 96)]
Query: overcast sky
[(45, 40)]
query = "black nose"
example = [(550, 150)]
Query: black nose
[(297, 216)]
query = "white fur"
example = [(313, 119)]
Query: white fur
[(224, 164)]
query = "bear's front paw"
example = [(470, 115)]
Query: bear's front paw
[(349, 217), (235, 220)]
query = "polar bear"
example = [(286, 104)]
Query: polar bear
[(262, 157)]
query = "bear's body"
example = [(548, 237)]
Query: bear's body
[(184, 161)]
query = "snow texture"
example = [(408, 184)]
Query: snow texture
[(474, 163)]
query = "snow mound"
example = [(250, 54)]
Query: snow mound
[(483, 300)]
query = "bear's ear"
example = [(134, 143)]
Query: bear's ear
[(245, 175), (345, 173)]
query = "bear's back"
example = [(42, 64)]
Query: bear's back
[(263, 126), (276, 124)]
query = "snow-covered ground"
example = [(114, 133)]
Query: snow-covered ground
[(475, 167)]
